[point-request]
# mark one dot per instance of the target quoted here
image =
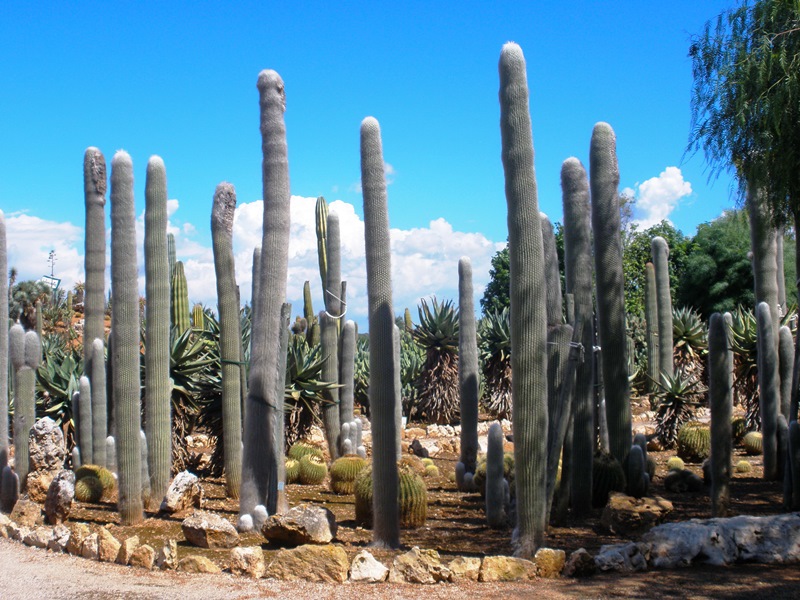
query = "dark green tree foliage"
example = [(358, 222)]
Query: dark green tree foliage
[(495, 297)]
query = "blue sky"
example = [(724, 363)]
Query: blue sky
[(178, 80)]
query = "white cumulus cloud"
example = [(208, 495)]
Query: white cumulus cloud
[(657, 197)]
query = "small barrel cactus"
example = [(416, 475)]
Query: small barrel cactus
[(738, 429), (675, 463), (694, 442), (313, 469), (431, 471), (300, 449), (607, 476), (88, 489), (412, 498), (743, 467), (752, 443), (103, 475), (292, 467), (344, 472)]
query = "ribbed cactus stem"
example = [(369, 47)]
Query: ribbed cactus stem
[(610, 287), (259, 462), (786, 357), (468, 378), (528, 303), (765, 264), (383, 395), (157, 388), (97, 378), (496, 485), (125, 349), (398, 392), (255, 290), (720, 397), (172, 254), (321, 222), (333, 275), (551, 273), (578, 283), (769, 391), (85, 440), (330, 372), (148, 496), (230, 333), (25, 351), (278, 502), (3, 344), (651, 322), (660, 255), (180, 299), (347, 360)]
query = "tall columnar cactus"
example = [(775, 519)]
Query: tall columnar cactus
[(720, 396), (651, 321), (333, 275), (786, 358), (97, 378), (24, 352), (765, 264), (3, 344), (198, 316), (769, 391), (578, 276), (398, 392), (172, 254), (278, 502), (347, 358), (84, 412), (610, 287), (321, 222), (660, 255), (157, 388), (230, 333), (383, 395), (468, 377), (255, 292), (496, 484), (330, 372), (259, 460), (125, 348), (528, 303), (180, 299), (551, 273)]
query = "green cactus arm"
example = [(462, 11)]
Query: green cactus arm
[(347, 358), (333, 275), (94, 187), (180, 299), (660, 255), (85, 420), (651, 322), (321, 222)]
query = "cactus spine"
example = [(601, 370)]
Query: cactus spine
[(24, 352), (468, 381), (3, 344), (94, 188), (180, 300), (230, 333), (610, 288), (259, 463), (157, 388), (651, 319), (660, 254), (528, 303), (330, 372), (720, 395), (769, 393), (578, 263), (125, 352), (383, 395)]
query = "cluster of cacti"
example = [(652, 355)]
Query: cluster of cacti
[(350, 441), (694, 442), (607, 476), (343, 473), (412, 499), (468, 377), (24, 354)]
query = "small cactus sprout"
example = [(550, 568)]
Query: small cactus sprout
[(313, 469), (675, 463), (245, 523), (752, 443), (259, 516), (427, 462), (111, 453), (743, 467), (344, 472)]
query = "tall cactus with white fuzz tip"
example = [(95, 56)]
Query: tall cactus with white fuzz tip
[(468, 378), (24, 352), (528, 303), (84, 412)]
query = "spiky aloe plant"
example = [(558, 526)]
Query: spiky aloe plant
[(720, 396), (94, 189), (259, 462), (180, 299), (578, 263), (125, 351), (157, 388), (689, 341), (610, 287), (437, 335), (495, 354), (744, 342), (678, 397), (528, 303), (230, 333), (3, 344), (383, 395), (468, 374)]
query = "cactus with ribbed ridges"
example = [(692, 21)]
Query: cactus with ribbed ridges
[(660, 255), (528, 303), (84, 411), (180, 299), (278, 503), (3, 344), (97, 378), (259, 460), (383, 393), (255, 291), (24, 353), (786, 357), (610, 287), (171, 254), (607, 476), (147, 491), (412, 499), (769, 392), (694, 441), (291, 470), (330, 372), (333, 274), (651, 321), (125, 350), (321, 223), (637, 479), (578, 280), (344, 472), (198, 317), (468, 379), (496, 484), (230, 333), (347, 359), (720, 397), (157, 388), (753, 443), (94, 187), (764, 259), (313, 469)]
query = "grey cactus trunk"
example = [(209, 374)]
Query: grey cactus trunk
[(3, 344), (468, 377), (24, 353), (347, 358), (383, 395), (125, 349), (97, 378), (230, 333), (157, 388), (496, 485), (769, 390), (528, 303), (765, 264), (651, 320), (94, 190), (330, 372), (660, 255), (786, 358), (333, 275), (578, 281), (84, 412), (610, 287), (720, 396), (278, 502), (259, 463)]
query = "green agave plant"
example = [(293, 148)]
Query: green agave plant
[(56, 380), (745, 365), (494, 352), (690, 341), (412, 360), (678, 396)]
